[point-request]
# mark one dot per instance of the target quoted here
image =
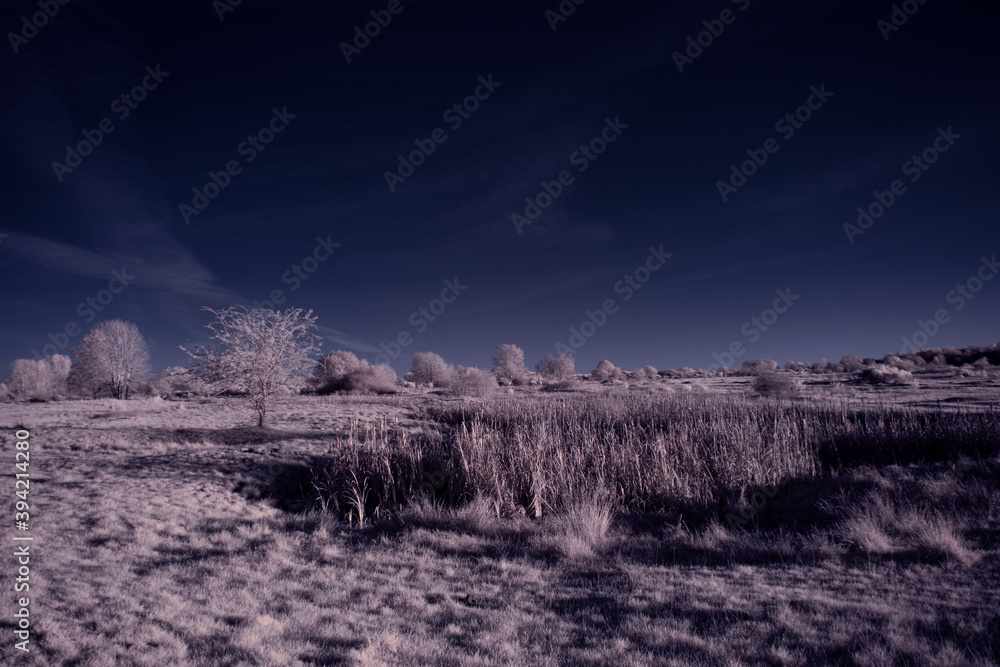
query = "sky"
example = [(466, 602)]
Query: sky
[(672, 184)]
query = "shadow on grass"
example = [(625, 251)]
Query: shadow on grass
[(240, 436)]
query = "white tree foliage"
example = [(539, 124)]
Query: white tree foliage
[(114, 354), (508, 365), (258, 352), (41, 379)]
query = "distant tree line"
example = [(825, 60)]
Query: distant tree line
[(260, 353)]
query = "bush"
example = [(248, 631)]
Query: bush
[(429, 369), (556, 368), (5, 396), (471, 382), (902, 364), (882, 374), (367, 379), (332, 370), (508, 365), (758, 366), (651, 373), (774, 383), (605, 372), (852, 363)]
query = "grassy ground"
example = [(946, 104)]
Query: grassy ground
[(153, 545)]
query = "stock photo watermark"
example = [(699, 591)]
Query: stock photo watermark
[(249, 148), (962, 293), (758, 157), (362, 38), (754, 328), (223, 7), (581, 158), (629, 284), (914, 168), (562, 13), (300, 272), (122, 106), (87, 310), (31, 24), (900, 14), (22, 552), (696, 45), (420, 320), (455, 116)]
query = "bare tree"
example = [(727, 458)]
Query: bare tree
[(508, 365), (259, 352), (113, 354)]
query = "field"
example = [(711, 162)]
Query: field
[(678, 522)]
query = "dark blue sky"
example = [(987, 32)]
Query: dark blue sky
[(323, 176)]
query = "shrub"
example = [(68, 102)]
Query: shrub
[(758, 366), (651, 373), (882, 374), (471, 382), (429, 369), (367, 379), (508, 365), (605, 372), (852, 363), (902, 364), (332, 370), (773, 383), (556, 368), (5, 396), (821, 366), (796, 366)]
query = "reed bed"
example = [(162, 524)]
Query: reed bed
[(540, 454)]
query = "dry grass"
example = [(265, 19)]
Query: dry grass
[(534, 455), (159, 539)]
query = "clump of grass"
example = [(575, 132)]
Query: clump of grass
[(774, 383), (581, 530)]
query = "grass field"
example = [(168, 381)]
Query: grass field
[(653, 524)]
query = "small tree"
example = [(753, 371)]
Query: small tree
[(508, 365), (258, 351), (430, 369), (556, 368), (113, 353)]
